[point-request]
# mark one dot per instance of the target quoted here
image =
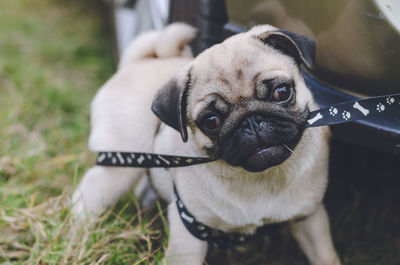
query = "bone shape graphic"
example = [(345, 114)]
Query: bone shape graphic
[(140, 159), (317, 117), (187, 217), (101, 158), (120, 158), (361, 108)]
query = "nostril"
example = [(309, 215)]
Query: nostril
[(258, 119), (245, 124)]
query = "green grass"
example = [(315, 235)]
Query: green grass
[(54, 55)]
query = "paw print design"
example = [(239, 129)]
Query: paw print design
[(380, 107), (333, 111), (346, 115), (390, 100)]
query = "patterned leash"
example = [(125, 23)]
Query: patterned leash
[(147, 160), (354, 110), (339, 113)]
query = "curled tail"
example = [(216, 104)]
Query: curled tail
[(171, 42)]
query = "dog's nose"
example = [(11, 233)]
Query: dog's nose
[(253, 122)]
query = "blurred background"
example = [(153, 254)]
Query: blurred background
[(55, 54)]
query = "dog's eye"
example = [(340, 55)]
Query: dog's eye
[(282, 93), (211, 123)]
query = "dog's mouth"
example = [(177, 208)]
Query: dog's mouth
[(257, 155), (259, 147), (265, 157)]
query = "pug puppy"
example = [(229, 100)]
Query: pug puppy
[(243, 102)]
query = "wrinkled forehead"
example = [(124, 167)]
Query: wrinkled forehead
[(234, 67)]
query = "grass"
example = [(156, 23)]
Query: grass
[(53, 57)]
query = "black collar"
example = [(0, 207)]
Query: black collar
[(217, 237)]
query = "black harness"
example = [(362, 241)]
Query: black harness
[(219, 238), (340, 113)]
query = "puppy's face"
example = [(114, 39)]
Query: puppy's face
[(244, 100)]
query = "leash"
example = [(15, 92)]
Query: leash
[(340, 113), (147, 160), (354, 110)]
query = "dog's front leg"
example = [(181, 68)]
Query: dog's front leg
[(183, 247), (314, 237)]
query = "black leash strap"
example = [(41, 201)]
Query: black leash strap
[(354, 110), (147, 160), (339, 113)]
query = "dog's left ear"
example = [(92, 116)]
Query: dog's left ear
[(169, 103), (299, 47)]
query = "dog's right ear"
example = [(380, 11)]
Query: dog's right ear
[(169, 104)]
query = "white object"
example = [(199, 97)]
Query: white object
[(144, 16), (316, 118), (361, 108)]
